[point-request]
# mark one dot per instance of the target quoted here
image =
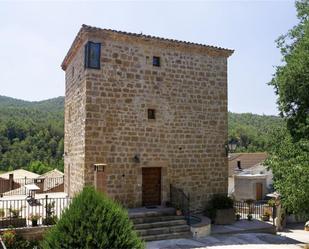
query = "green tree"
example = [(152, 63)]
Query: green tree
[(289, 162), (39, 167), (289, 157), (291, 80), (93, 221)]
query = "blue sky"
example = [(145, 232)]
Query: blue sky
[(35, 36)]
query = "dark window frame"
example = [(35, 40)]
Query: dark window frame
[(93, 55), (156, 61), (151, 113)]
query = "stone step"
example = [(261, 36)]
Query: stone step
[(152, 219), (164, 230), (145, 212), (175, 235), (160, 224)]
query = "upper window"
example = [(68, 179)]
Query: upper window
[(156, 61), (151, 114), (92, 55)]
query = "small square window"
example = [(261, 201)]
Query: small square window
[(156, 61), (151, 114)]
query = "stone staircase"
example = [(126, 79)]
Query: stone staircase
[(159, 223)]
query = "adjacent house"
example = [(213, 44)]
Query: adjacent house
[(13, 182), (142, 113), (248, 177)]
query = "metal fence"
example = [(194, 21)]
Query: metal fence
[(258, 209), (16, 186), (27, 212)]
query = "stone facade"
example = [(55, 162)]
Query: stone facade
[(106, 116)]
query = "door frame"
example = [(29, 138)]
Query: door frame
[(164, 180), (160, 191), (256, 190)]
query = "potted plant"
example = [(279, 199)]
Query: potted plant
[(14, 218), (15, 212), (249, 217), (34, 219), (238, 216), (265, 216), (307, 226), (50, 218), (250, 203), (220, 210), (178, 210)]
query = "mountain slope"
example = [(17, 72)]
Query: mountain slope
[(31, 133), (251, 131)]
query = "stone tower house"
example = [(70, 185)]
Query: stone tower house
[(142, 113)]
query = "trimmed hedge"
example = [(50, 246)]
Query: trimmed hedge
[(93, 221)]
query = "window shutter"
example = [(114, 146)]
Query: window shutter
[(92, 55)]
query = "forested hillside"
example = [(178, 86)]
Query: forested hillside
[(31, 133), (253, 132)]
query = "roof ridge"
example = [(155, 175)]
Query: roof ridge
[(88, 27)]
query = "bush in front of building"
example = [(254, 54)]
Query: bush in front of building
[(93, 221), (218, 202)]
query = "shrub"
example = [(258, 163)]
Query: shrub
[(222, 202), (50, 218), (14, 241), (15, 212), (218, 201), (92, 221)]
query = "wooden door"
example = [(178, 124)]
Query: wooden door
[(151, 191), (259, 191)]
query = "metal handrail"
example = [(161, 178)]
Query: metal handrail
[(180, 200)]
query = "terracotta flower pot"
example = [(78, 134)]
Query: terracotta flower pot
[(178, 212), (307, 229)]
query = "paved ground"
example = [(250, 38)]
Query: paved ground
[(293, 238)]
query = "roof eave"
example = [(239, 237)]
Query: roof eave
[(85, 29)]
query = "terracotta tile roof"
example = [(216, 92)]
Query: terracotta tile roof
[(86, 29), (19, 173), (52, 174), (247, 160)]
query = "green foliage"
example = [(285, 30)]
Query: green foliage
[(39, 167), (14, 241), (31, 134), (221, 202), (50, 218), (289, 157), (289, 162), (15, 212), (291, 80), (218, 201), (93, 221), (251, 131)]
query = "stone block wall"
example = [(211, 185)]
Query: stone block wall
[(187, 138), (74, 125)]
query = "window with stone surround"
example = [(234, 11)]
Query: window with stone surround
[(156, 61), (92, 55), (151, 114)]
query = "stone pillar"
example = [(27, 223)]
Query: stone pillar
[(11, 181), (100, 177)]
